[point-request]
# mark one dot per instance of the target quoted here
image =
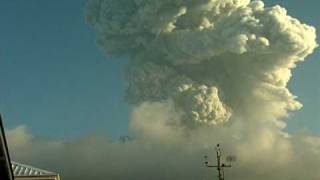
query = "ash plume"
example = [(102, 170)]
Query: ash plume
[(213, 58)]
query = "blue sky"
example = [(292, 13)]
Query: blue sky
[(55, 80)]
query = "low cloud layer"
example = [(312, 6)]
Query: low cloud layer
[(173, 155), (201, 72)]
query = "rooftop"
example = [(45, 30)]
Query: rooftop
[(26, 170)]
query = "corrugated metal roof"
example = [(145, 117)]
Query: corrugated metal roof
[(26, 170)]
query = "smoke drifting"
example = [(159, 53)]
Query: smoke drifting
[(200, 72)]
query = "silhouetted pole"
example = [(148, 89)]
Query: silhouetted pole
[(5, 163), (220, 166)]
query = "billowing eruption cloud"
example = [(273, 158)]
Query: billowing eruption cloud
[(200, 72), (214, 59)]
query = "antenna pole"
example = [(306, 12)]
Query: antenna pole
[(220, 166)]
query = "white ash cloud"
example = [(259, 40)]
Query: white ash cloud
[(211, 57), (201, 72)]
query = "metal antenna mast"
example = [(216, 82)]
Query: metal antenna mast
[(220, 166)]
